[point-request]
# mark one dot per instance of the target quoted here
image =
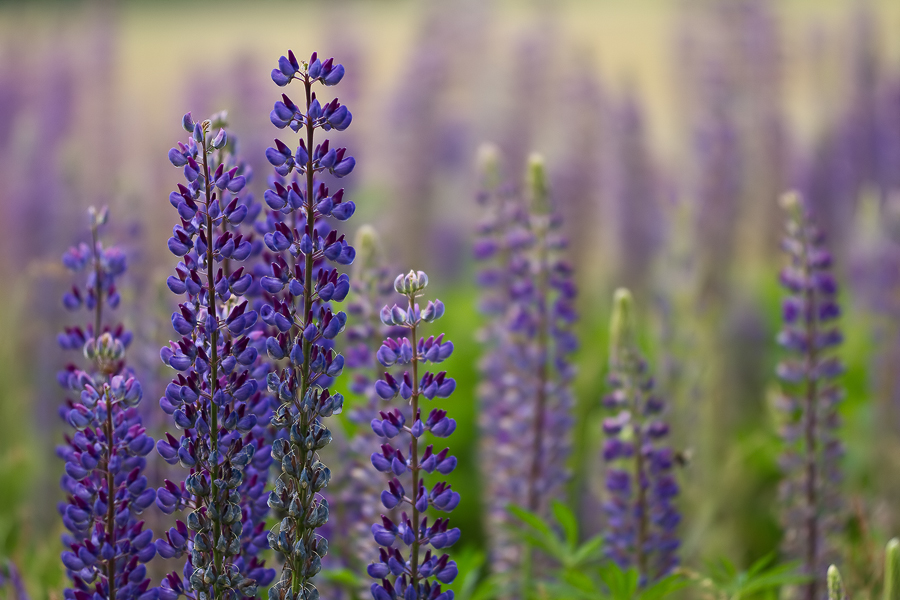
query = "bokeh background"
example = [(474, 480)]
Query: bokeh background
[(669, 129)]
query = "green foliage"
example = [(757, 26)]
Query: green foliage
[(762, 580), (562, 547), (578, 574), (610, 582), (471, 584)]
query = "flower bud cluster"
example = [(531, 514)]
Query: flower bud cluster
[(810, 396), (420, 572), (641, 518), (208, 398), (528, 295), (300, 288), (107, 547)]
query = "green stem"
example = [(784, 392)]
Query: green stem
[(110, 501), (810, 418), (218, 559), (414, 445), (296, 580)]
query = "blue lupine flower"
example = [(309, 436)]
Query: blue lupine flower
[(528, 294), (641, 518), (420, 573), (299, 288), (106, 544), (810, 397), (214, 397)]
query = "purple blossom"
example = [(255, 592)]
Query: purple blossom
[(300, 287), (420, 573), (810, 397), (528, 295), (641, 518), (106, 543), (211, 398)]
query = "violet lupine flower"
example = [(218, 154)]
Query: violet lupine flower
[(529, 295), (810, 396), (106, 545), (420, 573), (301, 286), (208, 398), (351, 488), (641, 518), (254, 498)]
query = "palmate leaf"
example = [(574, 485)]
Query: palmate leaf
[(612, 583), (565, 550), (538, 534), (760, 577)]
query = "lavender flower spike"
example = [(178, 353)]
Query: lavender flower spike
[(107, 546), (641, 518), (415, 575), (207, 399), (810, 397), (301, 287)]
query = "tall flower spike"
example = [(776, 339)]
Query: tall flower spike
[(528, 295), (353, 486), (106, 544), (254, 506), (810, 396), (208, 397), (421, 572), (301, 287), (641, 518)]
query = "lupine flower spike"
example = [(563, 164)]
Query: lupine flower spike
[(528, 295), (419, 572), (352, 488), (810, 396), (106, 545), (641, 518), (301, 286), (207, 399)]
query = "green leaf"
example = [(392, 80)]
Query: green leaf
[(529, 518), (566, 518), (588, 552), (663, 587)]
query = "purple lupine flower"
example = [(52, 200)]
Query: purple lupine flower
[(810, 396), (641, 518), (106, 544), (528, 294), (254, 505), (301, 286), (353, 486), (421, 572), (208, 398)]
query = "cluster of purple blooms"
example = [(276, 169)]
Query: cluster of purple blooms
[(303, 282), (209, 397), (106, 544), (257, 355), (810, 397), (641, 518), (420, 573), (529, 294)]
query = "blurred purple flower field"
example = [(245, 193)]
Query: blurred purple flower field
[(731, 410)]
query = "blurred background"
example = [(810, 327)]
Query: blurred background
[(669, 129)]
